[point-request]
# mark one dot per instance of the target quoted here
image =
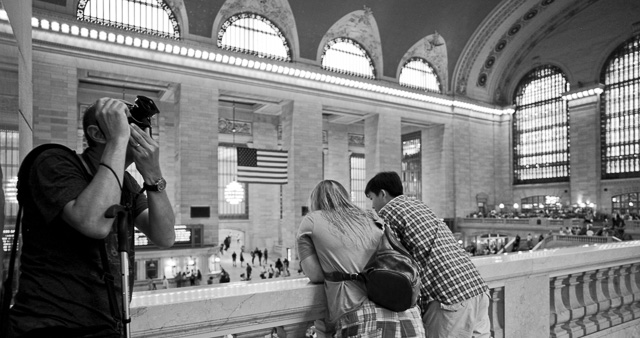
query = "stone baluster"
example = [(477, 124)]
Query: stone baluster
[(587, 283), (496, 312), (574, 303), (559, 315), (634, 287), (611, 287), (597, 287), (625, 294)]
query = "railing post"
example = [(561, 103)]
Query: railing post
[(559, 314), (611, 291), (625, 309), (634, 287), (575, 304), (598, 295), (496, 312)]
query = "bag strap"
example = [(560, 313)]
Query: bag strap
[(107, 276)]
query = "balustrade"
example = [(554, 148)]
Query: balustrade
[(592, 290)]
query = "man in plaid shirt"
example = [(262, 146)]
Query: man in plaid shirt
[(454, 297)]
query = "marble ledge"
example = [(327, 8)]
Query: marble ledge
[(557, 261)]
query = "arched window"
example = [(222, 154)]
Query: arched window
[(417, 73), (620, 112), (152, 17), (253, 34), (541, 127), (345, 56)]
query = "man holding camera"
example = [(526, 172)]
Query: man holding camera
[(69, 246)]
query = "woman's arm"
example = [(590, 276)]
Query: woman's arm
[(311, 267)]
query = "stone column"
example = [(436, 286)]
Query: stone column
[(197, 156), (302, 138), (584, 116), (19, 13), (382, 141), (437, 163), (338, 163)]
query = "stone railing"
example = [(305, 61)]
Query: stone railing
[(587, 291)]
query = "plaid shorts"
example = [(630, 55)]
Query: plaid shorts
[(372, 321)]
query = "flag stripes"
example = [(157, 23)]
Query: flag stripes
[(262, 166)]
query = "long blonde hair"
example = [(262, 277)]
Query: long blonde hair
[(332, 199)]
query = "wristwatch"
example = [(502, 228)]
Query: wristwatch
[(159, 185)]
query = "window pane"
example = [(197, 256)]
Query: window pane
[(620, 117), (412, 166), (253, 34), (358, 180), (346, 56), (10, 162), (541, 128), (418, 74), (227, 169), (152, 17)]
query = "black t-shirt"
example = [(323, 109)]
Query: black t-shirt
[(61, 281)]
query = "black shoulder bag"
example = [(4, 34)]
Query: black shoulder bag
[(391, 276)]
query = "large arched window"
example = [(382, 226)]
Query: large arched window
[(417, 73), (345, 56), (541, 127), (620, 112), (152, 17), (253, 34)]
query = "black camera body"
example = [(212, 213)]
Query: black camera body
[(141, 111)]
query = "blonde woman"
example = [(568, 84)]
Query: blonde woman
[(337, 236)]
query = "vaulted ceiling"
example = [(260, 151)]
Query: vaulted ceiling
[(489, 43)]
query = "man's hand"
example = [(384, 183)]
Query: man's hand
[(112, 119), (146, 154)]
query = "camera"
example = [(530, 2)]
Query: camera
[(141, 111)]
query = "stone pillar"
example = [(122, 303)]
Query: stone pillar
[(338, 163), (437, 163), (382, 140), (19, 13), (302, 138), (197, 156), (584, 116), (264, 208), (55, 103)]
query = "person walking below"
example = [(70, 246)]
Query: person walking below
[(454, 297), (241, 259), (337, 237), (233, 258)]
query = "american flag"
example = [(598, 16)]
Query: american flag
[(262, 166)]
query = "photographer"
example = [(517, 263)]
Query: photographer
[(63, 290)]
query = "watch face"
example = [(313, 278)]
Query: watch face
[(162, 184)]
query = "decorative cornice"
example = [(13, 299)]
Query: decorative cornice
[(479, 39)]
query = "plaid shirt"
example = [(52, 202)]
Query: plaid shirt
[(447, 273)]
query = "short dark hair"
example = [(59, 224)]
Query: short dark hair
[(88, 119), (386, 180)]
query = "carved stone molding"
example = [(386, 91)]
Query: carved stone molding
[(356, 139), (225, 126)]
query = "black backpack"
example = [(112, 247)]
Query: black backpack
[(23, 195)]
